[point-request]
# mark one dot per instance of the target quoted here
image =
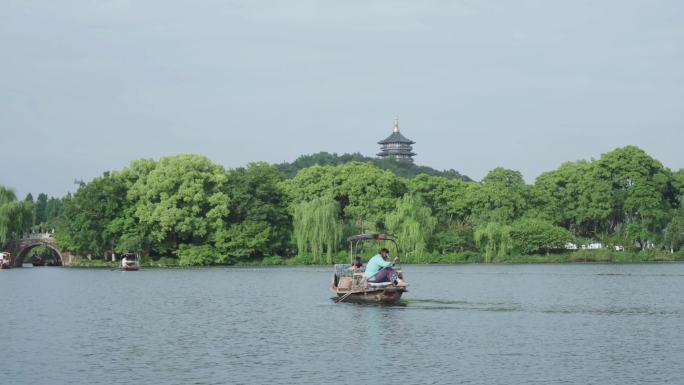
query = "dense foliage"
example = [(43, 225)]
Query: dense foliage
[(15, 217), (184, 206), (317, 227), (188, 208), (412, 222), (398, 167)]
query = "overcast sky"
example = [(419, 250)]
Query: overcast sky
[(88, 86)]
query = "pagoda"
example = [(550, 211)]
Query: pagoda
[(396, 145)]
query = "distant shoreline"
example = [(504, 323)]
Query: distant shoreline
[(578, 257)]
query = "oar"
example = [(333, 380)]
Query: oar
[(342, 298)]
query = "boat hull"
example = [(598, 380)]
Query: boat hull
[(384, 296)]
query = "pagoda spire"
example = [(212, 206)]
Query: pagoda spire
[(396, 124)]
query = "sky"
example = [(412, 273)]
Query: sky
[(88, 86)]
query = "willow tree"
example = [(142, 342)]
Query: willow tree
[(365, 193), (15, 217), (317, 228), (494, 239), (674, 233), (412, 223)]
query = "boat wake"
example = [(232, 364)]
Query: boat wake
[(438, 304), (433, 304)]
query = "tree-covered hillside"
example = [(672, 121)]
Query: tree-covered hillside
[(400, 168)]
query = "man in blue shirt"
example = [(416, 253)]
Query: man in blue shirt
[(379, 269)]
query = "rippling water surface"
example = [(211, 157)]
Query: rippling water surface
[(471, 324)]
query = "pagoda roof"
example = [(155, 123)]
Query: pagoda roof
[(396, 137)]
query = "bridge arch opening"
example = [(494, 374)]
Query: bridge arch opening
[(40, 254)]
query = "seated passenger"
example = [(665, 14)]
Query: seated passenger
[(357, 263), (379, 269)]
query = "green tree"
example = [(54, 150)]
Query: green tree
[(501, 197), (89, 214), (398, 167), (29, 200), (131, 235), (40, 208), (412, 223), (534, 235), (640, 192), (182, 200), (363, 192), (53, 212), (445, 197), (625, 191), (494, 239), (197, 255), (674, 232), (258, 221), (448, 201), (678, 185), (15, 217), (367, 193), (457, 237), (566, 197), (317, 228)]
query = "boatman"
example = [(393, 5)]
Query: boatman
[(379, 269)]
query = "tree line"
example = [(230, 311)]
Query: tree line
[(398, 167), (191, 209), (19, 218)]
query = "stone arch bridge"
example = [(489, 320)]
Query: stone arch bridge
[(20, 248)]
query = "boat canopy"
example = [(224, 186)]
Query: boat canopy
[(356, 242), (371, 237)]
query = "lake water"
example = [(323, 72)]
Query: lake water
[(469, 324)]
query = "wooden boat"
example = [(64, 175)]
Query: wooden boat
[(5, 260), (350, 284), (130, 262), (37, 261), (54, 262)]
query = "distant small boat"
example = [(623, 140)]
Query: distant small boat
[(54, 262), (350, 283), (130, 262), (37, 261), (5, 260)]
